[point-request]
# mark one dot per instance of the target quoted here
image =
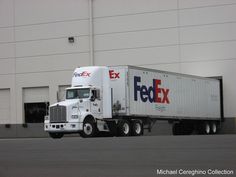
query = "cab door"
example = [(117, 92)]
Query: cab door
[(96, 103)]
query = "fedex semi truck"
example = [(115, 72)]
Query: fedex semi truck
[(126, 100)]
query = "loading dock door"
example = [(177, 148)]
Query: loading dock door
[(4, 106), (36, 102)]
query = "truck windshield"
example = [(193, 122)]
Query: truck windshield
[(77, 93)]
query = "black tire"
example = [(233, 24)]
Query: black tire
[(124, 128), (112, 127), (137, 128), (56, 135), (205, 128), (214, 127), (89, 128)]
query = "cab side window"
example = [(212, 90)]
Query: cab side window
[(96, 94)]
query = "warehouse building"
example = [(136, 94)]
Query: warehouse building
[(42, 42)]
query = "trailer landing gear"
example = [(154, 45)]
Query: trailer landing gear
[(182, 128)]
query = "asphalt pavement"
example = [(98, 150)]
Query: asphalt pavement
[(119, 156)]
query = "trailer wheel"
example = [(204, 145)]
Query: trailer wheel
[(137, 128), (56, 135), (89, 128), (124, 128), (205, 128), (213, 128)]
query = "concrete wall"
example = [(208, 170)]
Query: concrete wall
[(186, 36)]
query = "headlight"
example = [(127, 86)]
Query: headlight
[(74, 116), (46, 117)]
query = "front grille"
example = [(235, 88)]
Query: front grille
[(57, 114)]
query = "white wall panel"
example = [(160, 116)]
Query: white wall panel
[(138, 56), (40, 79), (51, 63), (136, 39), (7, 85), (4, 106), (202, 3), (62, 92), (7, 66), (6, 13), (198, 16), (217, 68), (208, 51), (7, 81), (6, 35), (52, 30), (135, 22), (7, 50), (114, 7), (217, 32), (35, 11), (53, 46)]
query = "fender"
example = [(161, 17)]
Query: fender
[(81, 119)]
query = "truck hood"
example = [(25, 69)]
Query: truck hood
[(66, 102)]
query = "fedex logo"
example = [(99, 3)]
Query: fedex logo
[(153, 93), (114, 75), (82, 74)]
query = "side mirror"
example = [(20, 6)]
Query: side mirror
[(92, 98)]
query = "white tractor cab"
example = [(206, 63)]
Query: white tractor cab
[(87, 102)]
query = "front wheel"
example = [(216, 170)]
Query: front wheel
[(89, 129), (56, 135)]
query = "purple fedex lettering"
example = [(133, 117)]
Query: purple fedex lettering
[(82, 74), (153, 93)]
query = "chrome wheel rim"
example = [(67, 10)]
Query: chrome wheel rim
[(137, 128), (214, 128), (126, 128), (88, 129), (207, 129)]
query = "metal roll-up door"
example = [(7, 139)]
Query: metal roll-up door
[(36, 95), (36, 102)]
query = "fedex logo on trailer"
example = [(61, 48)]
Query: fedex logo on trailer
[(114, 75), (154, 93)]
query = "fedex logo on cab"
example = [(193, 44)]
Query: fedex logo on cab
[(153, 94), (82, 74)]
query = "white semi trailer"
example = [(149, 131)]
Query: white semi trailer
[(125, 100)]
